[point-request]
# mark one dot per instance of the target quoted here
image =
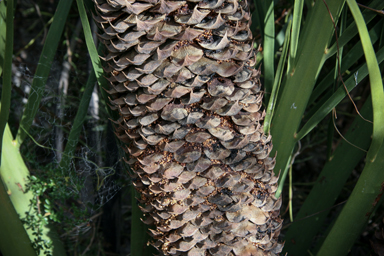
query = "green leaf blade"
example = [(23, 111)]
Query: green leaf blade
[(369, 187), (319, 202), (269, 46), (43, 68), (301, 78), (7, 76)]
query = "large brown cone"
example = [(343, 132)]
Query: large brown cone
[(189, 102)]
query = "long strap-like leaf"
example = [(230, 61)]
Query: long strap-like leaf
[(7, 76), (277, 81), (328, 186), (3, 30), (300, 81), (368, 189), (93, 53), (43, 68), (14, 239)]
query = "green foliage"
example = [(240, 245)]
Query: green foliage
[(36, 224), (369, 187), (49, 187), (14, 175), (18, 243), (312, 92), (3, 29), (7, 67), (301, 77), (329, 183), (42, 71), (40, 199)]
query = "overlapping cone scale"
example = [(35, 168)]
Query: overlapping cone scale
[(189, 101)]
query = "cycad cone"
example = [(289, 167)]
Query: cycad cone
[(189, 101)]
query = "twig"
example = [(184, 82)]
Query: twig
[(341, 135), (42, 21), (381, 12), (85, 223), (92, 238), (38, 205), (338, 64)]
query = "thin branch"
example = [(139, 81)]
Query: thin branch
[(337, 130), (338, 64), (380, 12)]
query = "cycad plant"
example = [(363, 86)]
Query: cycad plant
[(189, 99), (180, 76)]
